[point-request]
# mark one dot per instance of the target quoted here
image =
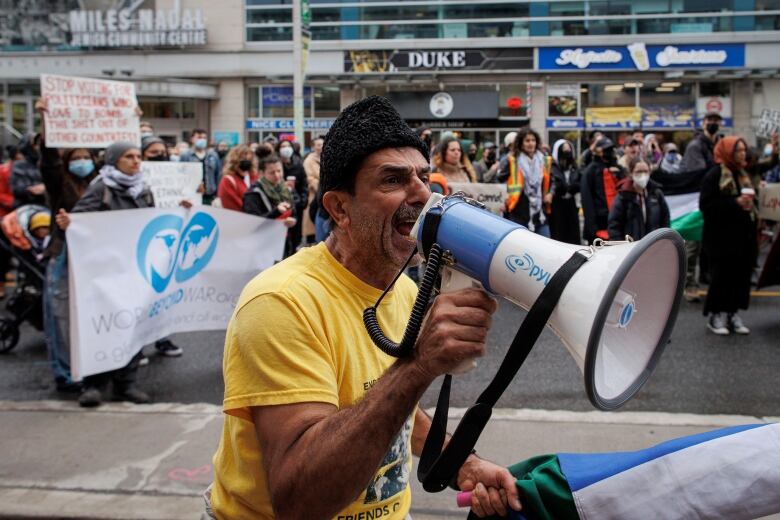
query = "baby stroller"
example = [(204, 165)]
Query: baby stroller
[(26, 301)]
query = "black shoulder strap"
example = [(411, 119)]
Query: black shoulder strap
[(438, 468)]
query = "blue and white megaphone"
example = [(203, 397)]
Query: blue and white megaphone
[(615, 314)]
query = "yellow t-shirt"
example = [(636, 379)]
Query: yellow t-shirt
[(297, 335)]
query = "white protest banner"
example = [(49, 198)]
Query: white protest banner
[(89, 113), (769, 202), (493, 196), (768, 123), (139, 275), (172, 182)]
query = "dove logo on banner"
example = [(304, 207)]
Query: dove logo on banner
[(166, 252)]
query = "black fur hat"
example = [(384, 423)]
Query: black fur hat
[(361, 129)]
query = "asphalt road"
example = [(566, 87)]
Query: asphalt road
[(698, 373)]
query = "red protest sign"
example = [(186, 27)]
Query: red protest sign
[(89, 113)]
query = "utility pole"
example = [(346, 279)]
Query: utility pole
[(301, 40)]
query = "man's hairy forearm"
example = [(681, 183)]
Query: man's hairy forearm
[(335, 459)]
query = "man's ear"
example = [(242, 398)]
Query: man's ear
[(336, 204)]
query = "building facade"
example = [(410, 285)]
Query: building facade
[(482, 68)]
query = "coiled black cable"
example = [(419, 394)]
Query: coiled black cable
[(404, 348)]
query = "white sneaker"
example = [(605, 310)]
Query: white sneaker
[(717, 324), (735, 323)]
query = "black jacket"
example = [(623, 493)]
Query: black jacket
[(594, 198), (100, 197), (698, 154), (301, 192), (626, 216), (257, 202), (25, 173), (729, 232), (64, 191)]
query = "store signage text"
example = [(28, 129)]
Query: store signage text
[(565, 124), (437, 59), (639, 56), (137, 28), (288, 124), (583, 59), (366, 61)]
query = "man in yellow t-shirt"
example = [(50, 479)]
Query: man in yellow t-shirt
[(319, 423)]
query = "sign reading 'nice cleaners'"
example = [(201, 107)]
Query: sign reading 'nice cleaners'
[(89, 113)]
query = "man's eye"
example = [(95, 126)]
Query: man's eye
[(425, 178), (391, 180)]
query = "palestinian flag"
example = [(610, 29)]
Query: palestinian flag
[(732, 473), (681, 191)]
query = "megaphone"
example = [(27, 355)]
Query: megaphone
[(614, 316)]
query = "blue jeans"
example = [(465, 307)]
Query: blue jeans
[(56, 314), (543, 230)]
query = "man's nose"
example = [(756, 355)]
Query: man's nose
[(418, 192)]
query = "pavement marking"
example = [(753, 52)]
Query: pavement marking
[(50, 405), (627, 418), (766, 294), (501, 414)]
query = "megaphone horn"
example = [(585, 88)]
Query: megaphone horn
[(614, 316)]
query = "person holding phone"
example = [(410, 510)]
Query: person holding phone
[(269, 197)]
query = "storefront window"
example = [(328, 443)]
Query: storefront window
[(715, 88), (513, 100), (327, 101), (167, 109), (277, 101), (608, 95)]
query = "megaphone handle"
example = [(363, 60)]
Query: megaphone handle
[(452, 280)]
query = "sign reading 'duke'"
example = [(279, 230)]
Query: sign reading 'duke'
[(419, 60), (638, 56)]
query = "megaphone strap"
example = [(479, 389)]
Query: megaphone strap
[(437, 468)]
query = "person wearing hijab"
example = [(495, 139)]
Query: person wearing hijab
[(565, 179), (119, 186), (727, 203)]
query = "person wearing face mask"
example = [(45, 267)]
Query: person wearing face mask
[(598, 187), (223, 149), (472, 153), (238, 174), (209, 159), (672, 160), (295, 178), (640, 206), (565, 176), (699, 152), (66, 176), (120, 186), (154, 149), (487, 163)]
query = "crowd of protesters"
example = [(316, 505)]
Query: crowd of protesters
[(617, 190), (609, 192)]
